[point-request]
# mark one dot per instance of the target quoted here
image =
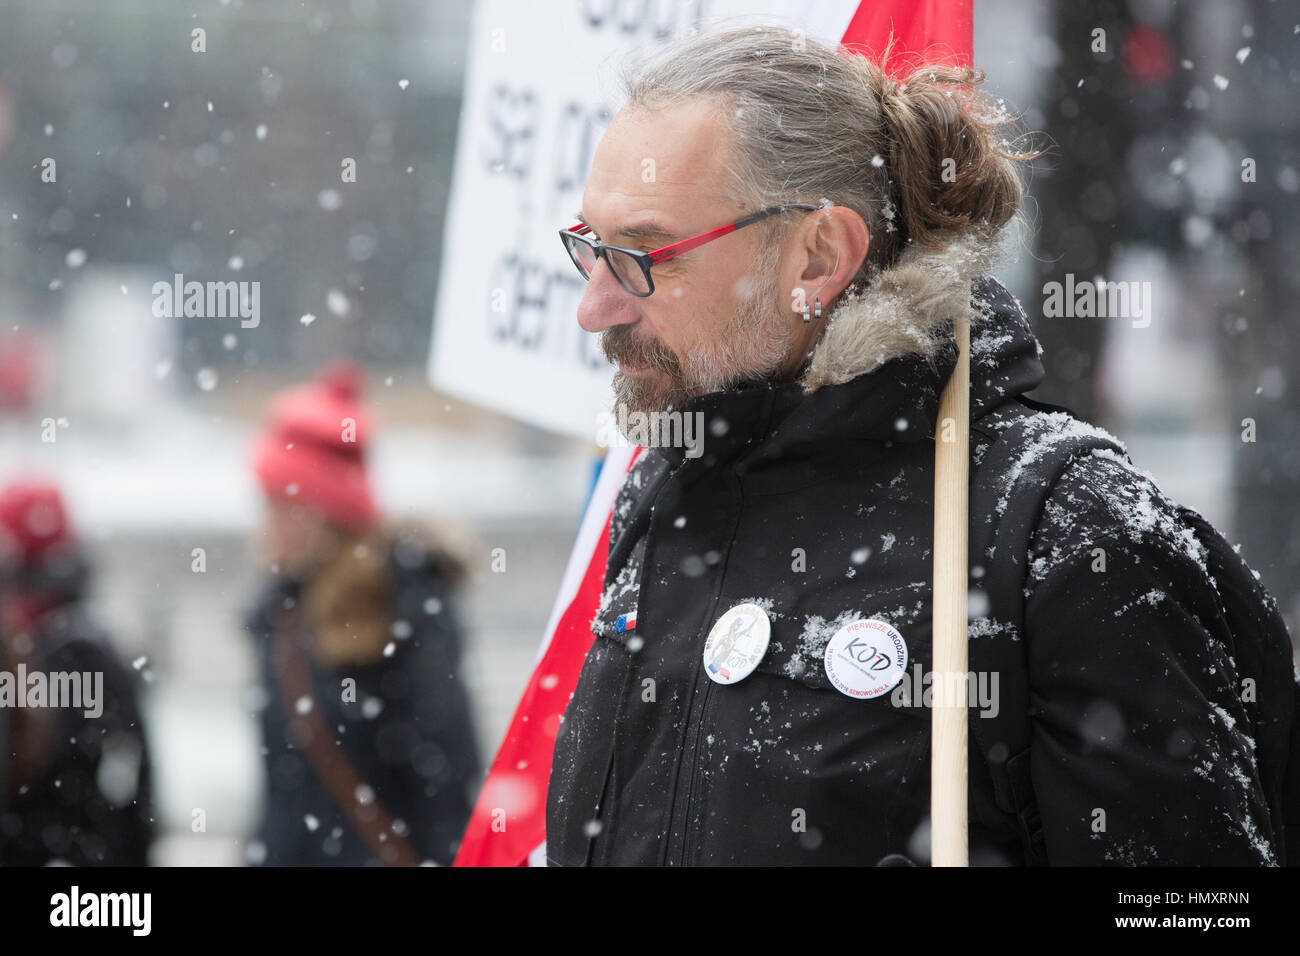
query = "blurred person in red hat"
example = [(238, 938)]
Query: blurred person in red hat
[(368, 739), (74, 775)]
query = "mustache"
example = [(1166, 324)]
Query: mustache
[(622, 347)]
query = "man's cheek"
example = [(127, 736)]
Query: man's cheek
[(680, 345)]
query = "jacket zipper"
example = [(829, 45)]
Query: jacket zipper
[(597, 814), (690, 780), (698, 712)]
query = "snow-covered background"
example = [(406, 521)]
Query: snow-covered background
[(225, 165)]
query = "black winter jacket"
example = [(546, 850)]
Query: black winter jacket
[(407, 731), (814, 500)]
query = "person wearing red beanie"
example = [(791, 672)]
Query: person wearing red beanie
[(367, 727), (313, 452), (53, 806), (36, 544)]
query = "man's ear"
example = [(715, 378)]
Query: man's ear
[(830, 247)]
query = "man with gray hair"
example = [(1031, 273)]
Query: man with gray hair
[(744, 700)]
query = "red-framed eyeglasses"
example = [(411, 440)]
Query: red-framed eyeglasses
[(631, 267)]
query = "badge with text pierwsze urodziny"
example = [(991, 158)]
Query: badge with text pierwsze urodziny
[(866, 658)]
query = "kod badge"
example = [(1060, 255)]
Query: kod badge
[(737, 643), (866, 659)]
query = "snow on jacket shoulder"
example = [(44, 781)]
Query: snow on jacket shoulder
[(1142, 752)]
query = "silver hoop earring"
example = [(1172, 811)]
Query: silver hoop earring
[(817, 308), (805, 311)]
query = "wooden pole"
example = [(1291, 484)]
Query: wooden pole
[(948, 770)]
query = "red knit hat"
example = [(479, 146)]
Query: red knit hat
[(314, 450), (33, 524)]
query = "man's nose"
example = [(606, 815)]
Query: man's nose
[(605, 303)]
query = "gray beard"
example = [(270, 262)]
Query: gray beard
[(752, 346)]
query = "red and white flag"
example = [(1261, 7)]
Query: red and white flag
[(509, 820), (508, 826)]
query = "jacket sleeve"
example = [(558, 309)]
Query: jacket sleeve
[(1141, 750), (420, 750), (444, 718)]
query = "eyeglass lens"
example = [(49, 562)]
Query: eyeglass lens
[(626, 269)]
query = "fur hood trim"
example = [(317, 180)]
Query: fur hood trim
[(908, 309)]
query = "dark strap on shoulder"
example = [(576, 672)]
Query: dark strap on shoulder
[(1027, 445), (372, 821)]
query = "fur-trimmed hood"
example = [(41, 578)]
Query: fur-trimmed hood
[(908, 309), (352, 600)]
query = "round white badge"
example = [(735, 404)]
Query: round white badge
[(866, 659), (737, 643)]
